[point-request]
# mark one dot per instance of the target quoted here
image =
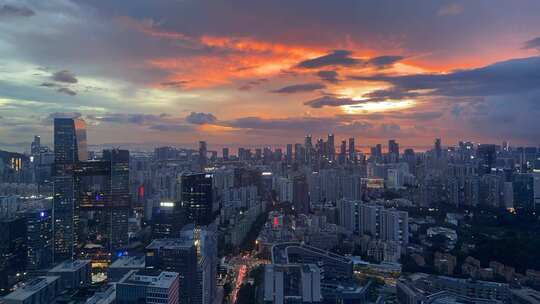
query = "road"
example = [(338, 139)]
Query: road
[(241, 266)]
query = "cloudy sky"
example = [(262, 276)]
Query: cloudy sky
[(254, 72)]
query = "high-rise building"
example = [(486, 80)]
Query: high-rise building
[(331, 146), (438, 148), (289, 153), (280, 279), (300, 194), (12, 251), (487, 156), (343, 152), (352, 150), (225, 154), (69, 149), (39, 239), (374, 220), (203, 151), (35, 148), (393, 150), (73, 274), (524, 190), (103, 200), (38, 290), (196, 197), (148, 286), (168, 219), (194, 257)]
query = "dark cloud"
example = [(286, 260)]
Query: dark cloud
[(175, 84), (389, 94), (328, 75), (503, 78), (171, 128), (121, 118), (303, 124), (64, 76), (397, 115), (532, 44), (384, 61), (330, 101), (7, 10), (299, 88), (47, 84), (198, 118), (66, 91), (249, 85), (336, 58)]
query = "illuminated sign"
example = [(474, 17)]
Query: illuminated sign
[(166, 204)]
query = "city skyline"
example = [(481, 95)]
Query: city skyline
[(181, 71)]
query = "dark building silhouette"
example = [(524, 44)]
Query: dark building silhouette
[(69, 148), (12, 250), (487, 156), (196, 197)]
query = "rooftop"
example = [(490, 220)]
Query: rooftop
[(129, 262), (69, 266), (31, 287), (154, 278), (177, 243)]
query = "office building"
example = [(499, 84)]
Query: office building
[(73, 274), (39, 239), (293, 283), (352, 150), (124, 264), (196, 197), (69, 149), (203, 157), (39, 290), (194, 257), (148, 286), (300, 194), (225, 154), (12, 251)]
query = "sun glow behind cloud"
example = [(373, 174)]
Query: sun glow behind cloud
[(381, 106)]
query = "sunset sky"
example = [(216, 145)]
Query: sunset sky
[(268, 72)]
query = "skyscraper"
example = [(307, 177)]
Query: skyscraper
[(343, 152), (39, 238), (225, 154), (393, 150), (196, 197), (331, 147), (102, 199), (36, 145), (289, 153), (438, 148), (194, 256), (487, 155), (203, 159), (352, 150), (69, 148)]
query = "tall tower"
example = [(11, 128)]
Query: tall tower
[(69, 149), (352, 150), (438, 148), (197, 197), (202, 154), (393, 150), (331, 147)]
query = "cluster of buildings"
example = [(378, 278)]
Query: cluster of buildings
[(148, 226)]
